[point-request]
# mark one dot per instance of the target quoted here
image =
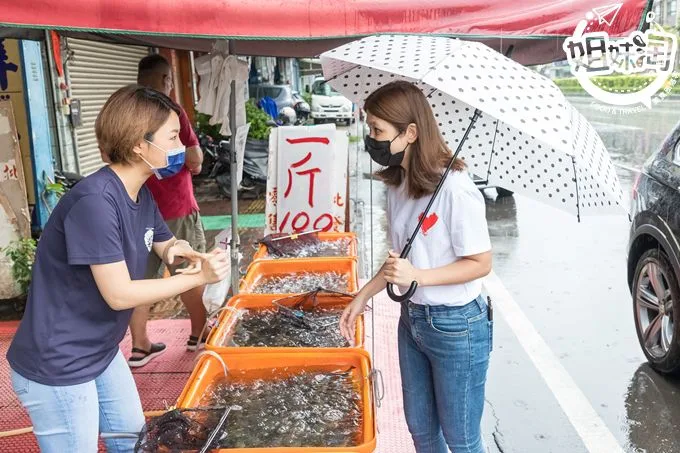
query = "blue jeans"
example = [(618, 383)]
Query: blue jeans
[(65, 417), (443, 357)]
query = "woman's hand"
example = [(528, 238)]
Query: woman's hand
[(215, 266), (181, 252), (399, 271), (348, 320), (121, 292)]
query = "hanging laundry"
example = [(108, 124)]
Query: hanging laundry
[(207, 66), (233, 68)]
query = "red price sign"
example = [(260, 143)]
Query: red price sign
[(307, 184)]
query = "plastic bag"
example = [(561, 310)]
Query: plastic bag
[(215, 294)]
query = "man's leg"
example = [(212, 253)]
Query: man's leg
[(142, 348), (140, 315), (193, 299)]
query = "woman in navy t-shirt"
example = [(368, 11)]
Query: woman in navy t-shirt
[(67, 369)]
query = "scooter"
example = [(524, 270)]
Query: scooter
[(67, 179), (251, 187), (302, 111), (209, 148)]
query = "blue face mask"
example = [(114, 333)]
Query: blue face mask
[(174, 161)]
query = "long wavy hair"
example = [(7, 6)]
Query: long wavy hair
[(401, 103)]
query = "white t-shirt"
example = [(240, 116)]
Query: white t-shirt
[(455, 227)]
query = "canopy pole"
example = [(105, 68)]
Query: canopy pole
[(194, 88), (235, 241)]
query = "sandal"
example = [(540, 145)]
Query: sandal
[(192, 344), (146, 356)]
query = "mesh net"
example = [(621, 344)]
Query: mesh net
[(299, 320), (282, 245), (181, 429), (300, 311)]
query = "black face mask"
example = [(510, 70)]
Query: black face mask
[(380, 152)]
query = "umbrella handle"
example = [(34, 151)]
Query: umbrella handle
[(404, 297), (404, 254)]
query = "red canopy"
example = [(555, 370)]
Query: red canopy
[(309, 27)]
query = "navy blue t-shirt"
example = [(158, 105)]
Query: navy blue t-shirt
[(69, 334)]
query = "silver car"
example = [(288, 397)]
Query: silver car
[(281, 94)]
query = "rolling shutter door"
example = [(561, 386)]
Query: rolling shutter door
[(96, 70)]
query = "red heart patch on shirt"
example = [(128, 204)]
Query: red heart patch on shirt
[(429, 222)]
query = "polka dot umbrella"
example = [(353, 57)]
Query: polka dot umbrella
[(528, 139)]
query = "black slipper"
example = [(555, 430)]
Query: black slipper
[(192, 344), (141, 360)]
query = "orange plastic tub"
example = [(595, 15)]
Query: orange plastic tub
[(263, 269), (353, 247), (228, 319), (259, 366)]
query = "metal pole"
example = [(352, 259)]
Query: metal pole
[(194, 89), (360, 138), (69, 94), (58, 111), (235, 241)]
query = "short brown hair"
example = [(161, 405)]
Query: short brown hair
[(401, 103), (132, 114)]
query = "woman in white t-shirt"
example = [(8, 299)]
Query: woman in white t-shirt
[(445, 330)]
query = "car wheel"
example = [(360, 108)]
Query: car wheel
[(501, 192), (655, 301)]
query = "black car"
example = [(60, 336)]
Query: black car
[(654, 256)]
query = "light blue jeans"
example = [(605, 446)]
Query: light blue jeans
[(444, 356), (65, 417)]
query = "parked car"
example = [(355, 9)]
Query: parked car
[(484, 184), (329, 105), (281, 94), (654, 256)]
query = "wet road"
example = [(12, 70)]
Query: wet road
[(568, 282)]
